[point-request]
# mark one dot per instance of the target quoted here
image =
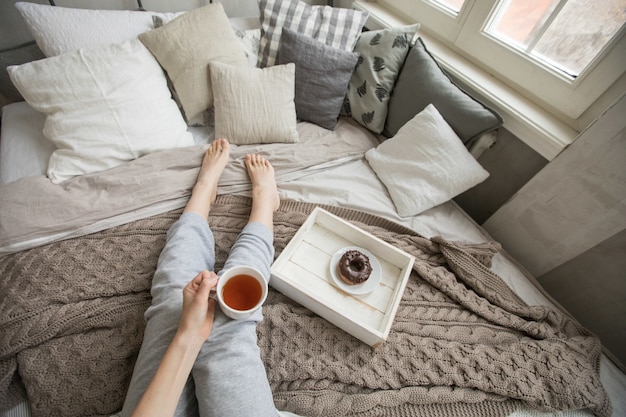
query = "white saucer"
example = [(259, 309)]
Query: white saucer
[(358, 289)]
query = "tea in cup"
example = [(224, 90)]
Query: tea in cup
[(241, 291)]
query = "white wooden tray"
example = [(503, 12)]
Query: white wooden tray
[(302, 272)]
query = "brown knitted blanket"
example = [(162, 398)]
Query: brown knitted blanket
[(71, 323)]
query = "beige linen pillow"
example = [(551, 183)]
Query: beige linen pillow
[(186, 45), (254, 105)]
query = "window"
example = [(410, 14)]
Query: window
[(453, 6), (562, 53), (567, 35)]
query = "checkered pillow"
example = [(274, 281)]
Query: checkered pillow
[(336, 27)]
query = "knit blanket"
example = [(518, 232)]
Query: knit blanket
[(71, 324)]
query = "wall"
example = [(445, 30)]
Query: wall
[(510, 163), (591, 287), (347, 4), (577, 201), (566, 225), (13, 32)]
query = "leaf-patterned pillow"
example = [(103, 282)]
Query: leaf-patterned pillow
[(382, 53)]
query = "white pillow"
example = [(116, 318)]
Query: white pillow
[(254, 105), (104, 106), (59, 30), (424, 164)]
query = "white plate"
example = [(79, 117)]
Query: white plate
[(358, 289)]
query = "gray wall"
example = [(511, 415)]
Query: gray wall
[(511, 164), (575, 202), (13, 31), (566, 225), (571, 235), (592, 287)]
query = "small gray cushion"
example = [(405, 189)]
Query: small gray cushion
[(322, 76), (422, 82), (16, 56)]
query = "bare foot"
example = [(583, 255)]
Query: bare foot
[(204, 191), (265, 199), (215, 159)]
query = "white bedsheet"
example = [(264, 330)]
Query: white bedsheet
[(24, 152)]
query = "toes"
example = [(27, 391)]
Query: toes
[(219, 145), (223, 144), (252, 159), (256, 161)]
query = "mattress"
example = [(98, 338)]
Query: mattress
[(353, 184)]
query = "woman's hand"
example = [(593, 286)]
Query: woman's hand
[(198, 308), (196, 322)]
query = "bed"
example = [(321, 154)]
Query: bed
[(83, 214)]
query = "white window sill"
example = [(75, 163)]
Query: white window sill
[(536, 127)]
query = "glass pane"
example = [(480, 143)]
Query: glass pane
[(452, 5), (568, 38), (579, 33), (516, 20)]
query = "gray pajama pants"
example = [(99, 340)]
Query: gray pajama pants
[(228, 377)]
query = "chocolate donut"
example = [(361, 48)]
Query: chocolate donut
[(354, 267)]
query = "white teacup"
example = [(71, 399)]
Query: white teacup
[(241, 291)]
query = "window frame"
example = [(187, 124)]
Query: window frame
[(541, 82)]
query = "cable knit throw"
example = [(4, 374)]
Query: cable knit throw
[(71, 323)]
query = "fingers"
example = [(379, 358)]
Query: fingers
[(198, 308), (201, 284), (208, 282), (208, 277)]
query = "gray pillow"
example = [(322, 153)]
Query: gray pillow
[(16, 56), (322, 76), (422, 82), (382, 53)]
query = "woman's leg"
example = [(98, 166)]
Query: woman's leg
[(229, 376), (189, 249)]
